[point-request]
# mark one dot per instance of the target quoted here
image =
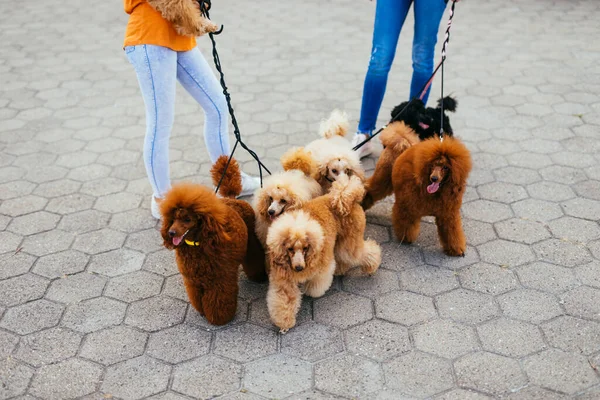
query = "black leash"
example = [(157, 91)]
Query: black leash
[(205, 5), (424, 88)]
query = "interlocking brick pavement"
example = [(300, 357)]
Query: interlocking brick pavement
[(92, 307)]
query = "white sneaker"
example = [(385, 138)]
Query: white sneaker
[(366, 149), (154, 209), (249, 185)]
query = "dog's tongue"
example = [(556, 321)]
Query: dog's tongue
[(177, 240), (423, 125), (433, 187)]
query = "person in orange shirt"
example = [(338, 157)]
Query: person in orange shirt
[(160, 57)]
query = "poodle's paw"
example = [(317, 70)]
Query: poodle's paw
[(283, 331), (455, 252), (372, 257)]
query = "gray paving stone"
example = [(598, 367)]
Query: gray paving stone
[(31, 317), (557, 370), (155, 313), (309, 395), (419, 374), (502, 192), (136, 378), (174, 288), (486, 211), (134, 286), (517, 175), (21, 289), (529, 305), (116, 262), (219, 376), (574, 229), (342, 310), (589, 274), (103, 186), (537, 210), (84, 221), (146, 241), (378, 233), (573, 334), (264, 376), (510, 338), (505, 253), (36, 222), (132, 221), (355, 281), (428, 280), (588, 189), (14, 264), (487, 278), (15, 378), (49, 242), (562, 174), (582, 208), (312, 342), (397, 257), (434, 256), (93, 315), (180, 343), (41, 348), (562, 252), (489, 373), (113, 345), (532, 392), (405, 308), (522, 230), (70, 203), (245, 342), (66, 379), (467, 306), (462, 394), (15, 189), (478, 232), (547, 277), (161, 262), (583, 302), (117, 202), (76, 288), (379, 340), (60, 264), (445, 338), (8, 342), (550, 191), (348, 376), (99, 242)]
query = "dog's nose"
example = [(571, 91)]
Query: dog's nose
[(434, 178), (172, 233), (298, 268), (271, 212)]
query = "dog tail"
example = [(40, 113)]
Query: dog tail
[(449, 103), (231, 186), (345, 192), (300, 159), (336, 125)]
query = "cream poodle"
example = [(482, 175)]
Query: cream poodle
[(309, 246)]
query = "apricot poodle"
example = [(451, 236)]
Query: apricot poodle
[(430, 178), (212, 236), (285, 191), (185, 16), (308, 246), (333, 152)]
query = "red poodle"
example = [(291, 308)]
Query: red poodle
[(212, 236), (430, 178)]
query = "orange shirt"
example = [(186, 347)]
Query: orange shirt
[(147, 26)]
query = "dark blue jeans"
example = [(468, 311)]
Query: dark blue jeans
[(389, 18)]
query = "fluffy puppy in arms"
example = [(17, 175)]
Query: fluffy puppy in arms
[(185, 16), (304, 245)]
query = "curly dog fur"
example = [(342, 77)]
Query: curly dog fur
[(211, 238), (425, 121), (308, 246), (185, 16), (430, 178), (333, 152), (396, 138), (285, 191)]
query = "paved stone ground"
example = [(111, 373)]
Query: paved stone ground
[(92, 307)]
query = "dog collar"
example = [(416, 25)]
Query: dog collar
[(190, 243)]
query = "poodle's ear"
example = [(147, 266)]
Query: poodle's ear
[(210, 229), (460, 163), (167, 221), (261, 202), (316, 238)]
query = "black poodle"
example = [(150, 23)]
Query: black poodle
[(425, 121)]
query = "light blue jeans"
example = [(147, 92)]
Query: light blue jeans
[(158, 68), (389, 18)]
